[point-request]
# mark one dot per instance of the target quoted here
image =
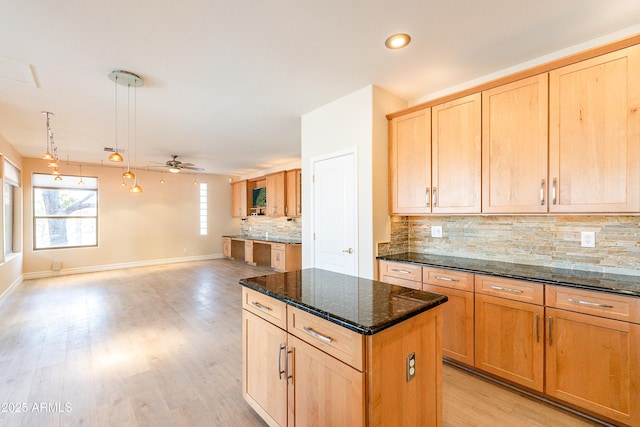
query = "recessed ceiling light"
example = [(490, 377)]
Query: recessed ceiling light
[(397, 41)]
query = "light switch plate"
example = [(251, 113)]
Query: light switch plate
[(588, 239)]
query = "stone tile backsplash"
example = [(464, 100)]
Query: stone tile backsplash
[(276, 227), (552, 241)]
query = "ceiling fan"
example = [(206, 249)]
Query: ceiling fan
[(174, 165)]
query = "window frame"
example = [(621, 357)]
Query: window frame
[(36, 217)]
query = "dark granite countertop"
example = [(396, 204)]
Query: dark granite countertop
[(613, 283), (361, 305), (265, 239)]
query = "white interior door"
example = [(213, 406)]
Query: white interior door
[(335, 214)]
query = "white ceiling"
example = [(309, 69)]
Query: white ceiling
[(226, 82)]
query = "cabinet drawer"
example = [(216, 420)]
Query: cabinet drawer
[(278, 246), (517, 290), (596, 303), (400, 270), (266, 307), (329, 337), (447, 278), (401, 282)]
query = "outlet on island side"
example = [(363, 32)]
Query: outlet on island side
[(436, 231), (588, 239)]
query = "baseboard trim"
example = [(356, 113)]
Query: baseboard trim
[(119, 266), (11, 288)]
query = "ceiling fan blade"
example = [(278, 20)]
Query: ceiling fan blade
[(191, 168), (188, 164)]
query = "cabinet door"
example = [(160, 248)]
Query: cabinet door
[(457, 324), (264, 380), (278, 259), (514, 147), (239, 199), (294, 193), (226, 247), (323, 390), (410, 163), (594, 138), (510, 340), (456, 150), (276, 194), (594, 362)]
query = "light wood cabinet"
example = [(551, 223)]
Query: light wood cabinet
[(410, 163), (294, 193), (514, 147), (239, 198), (458, 339), (286, 257), (593, 361), (401, 274), (334, 376), (594, 147), (226, 247), (456, 156), (276, 194), (509, 332)]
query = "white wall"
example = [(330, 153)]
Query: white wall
[(355, 122), (160, 224)]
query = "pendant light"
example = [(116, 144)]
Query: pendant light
[(162, 181), (48, 155), (81, 182), (128, 174), (116, 156)]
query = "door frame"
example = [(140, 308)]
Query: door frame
[(312, 162)]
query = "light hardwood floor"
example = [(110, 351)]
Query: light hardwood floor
[(161, 346)]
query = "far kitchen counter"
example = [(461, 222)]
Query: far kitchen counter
[(612, 283)]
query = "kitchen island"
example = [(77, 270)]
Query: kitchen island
[(323, 348)]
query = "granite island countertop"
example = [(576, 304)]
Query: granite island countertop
[(264, 239), (612, 283), (361, 305)]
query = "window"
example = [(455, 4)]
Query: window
[(11, 201), (203, 209), (65, 213)]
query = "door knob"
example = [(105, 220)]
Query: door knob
[(349, 251)]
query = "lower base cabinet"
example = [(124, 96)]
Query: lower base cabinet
[(302, 370)]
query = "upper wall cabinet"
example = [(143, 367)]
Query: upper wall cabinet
[(294, 192), (239, 198), (410, 163), (594, 134), (455, 156), (514, 147), (276, 196)]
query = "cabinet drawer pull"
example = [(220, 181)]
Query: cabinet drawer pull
[(427, 197), (260, 306), (317, 335), (542, 193), (280, 371), (400, 271), (447, 279), (500, 288), (589, 303)]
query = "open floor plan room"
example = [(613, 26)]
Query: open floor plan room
[(162, 345)]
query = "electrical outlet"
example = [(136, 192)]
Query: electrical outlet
[(588, 239), (436, 231), (411, 366)]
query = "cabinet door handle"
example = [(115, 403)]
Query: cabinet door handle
[(542, 193), (550, 328), (434, 197), (280, 371), (286, 363), (553, 191), (400, 271), (317, 335), (447, 279), (426, 199), (500, 288), (537, 328), (260, 306), (589, 303)]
